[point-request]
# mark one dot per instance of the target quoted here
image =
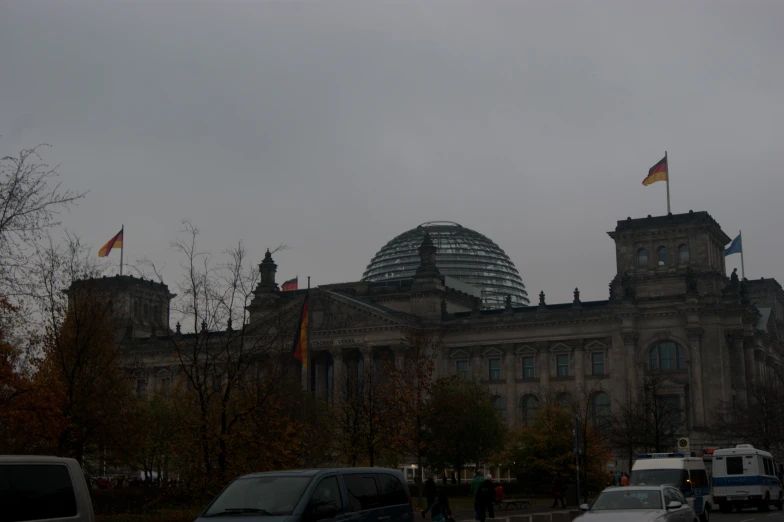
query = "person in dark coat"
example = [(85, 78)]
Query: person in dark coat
[(430, 494), (485, 496), (441, 510), (558, 491)]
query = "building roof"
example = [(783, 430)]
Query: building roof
[(462, 254)]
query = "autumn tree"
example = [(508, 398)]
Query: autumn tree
[(234, 373), (83, 361), (29, 416), (409, 398), (363, 428), (466, 427)]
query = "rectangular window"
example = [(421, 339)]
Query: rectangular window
[(667, 356), (529, 365), (495, 369), (165, 386), (462, 369), (597, 363), (36, 492), (562, 365), (362, 492), (734, 466), (141, 387), (699, 479), (669, 414)]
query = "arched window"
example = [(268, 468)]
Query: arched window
[(663, 256), (499, 403), (642, 257), (683, 254), (565, 400), (667, 356), (529, 406), (600, 408)]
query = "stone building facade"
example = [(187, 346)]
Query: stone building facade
[(671, 308)]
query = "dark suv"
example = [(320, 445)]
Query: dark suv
[(344, 494)]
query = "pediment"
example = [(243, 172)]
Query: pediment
[(459, 354), (561, 348), (333, 311), (492, 351), (525, 349), (595, 345)]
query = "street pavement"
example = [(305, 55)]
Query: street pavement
[(748, 515)]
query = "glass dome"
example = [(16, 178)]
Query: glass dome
[(462, 253)]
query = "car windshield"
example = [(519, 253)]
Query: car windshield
[(658, 477), (628, 498), (260, 496)]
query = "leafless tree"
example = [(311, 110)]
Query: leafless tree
[(758, 421), (31, 200), (234, 370)]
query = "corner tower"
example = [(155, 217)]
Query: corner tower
[(669, 255)]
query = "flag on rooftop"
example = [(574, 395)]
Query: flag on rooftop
[(736, 247), (657, 173), (300, 350), (115, 242), (291, 284)]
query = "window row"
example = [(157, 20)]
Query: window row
[(147, 311), (667, 356), (663, 256), (528, 365), (530, 406)]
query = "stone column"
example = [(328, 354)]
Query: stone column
[(368, 363), (511, 396), (738, 369), (630, 338), (751, 367), (579, 368), (338, 372), (321, 376), (475, 365), (543, 365), (400, 354), (695, 371)]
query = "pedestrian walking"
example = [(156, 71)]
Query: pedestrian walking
[(624, 480), (558, 491), (485, 496), (441, 511), (430, 494)]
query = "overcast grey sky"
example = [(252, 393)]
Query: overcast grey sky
[(334, 126)]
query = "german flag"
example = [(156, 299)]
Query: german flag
[(300, 350), (291, 284), (115, 242), (658, 172)]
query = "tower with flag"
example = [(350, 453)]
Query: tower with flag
[(115, 242), (660, 172)]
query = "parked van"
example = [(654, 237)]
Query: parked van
[(348, 494), (744, 476), (676, 469), (43, 488)]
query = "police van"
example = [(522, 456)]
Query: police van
[(686, 473), (744, 476)]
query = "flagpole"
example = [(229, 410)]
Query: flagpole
[(667, 162), (122, 247), (742, 267)]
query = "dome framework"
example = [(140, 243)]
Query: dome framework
[(464, 254)]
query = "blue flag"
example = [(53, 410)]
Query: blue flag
[(736, 247)]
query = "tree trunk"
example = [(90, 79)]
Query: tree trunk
[(418, 479)]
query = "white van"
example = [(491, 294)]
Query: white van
[(744, 476), (676, 469), (50, 489)]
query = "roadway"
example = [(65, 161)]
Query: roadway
[(748, 515)]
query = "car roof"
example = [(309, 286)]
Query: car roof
[(33, 459), (319, 471), (626, 488)]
